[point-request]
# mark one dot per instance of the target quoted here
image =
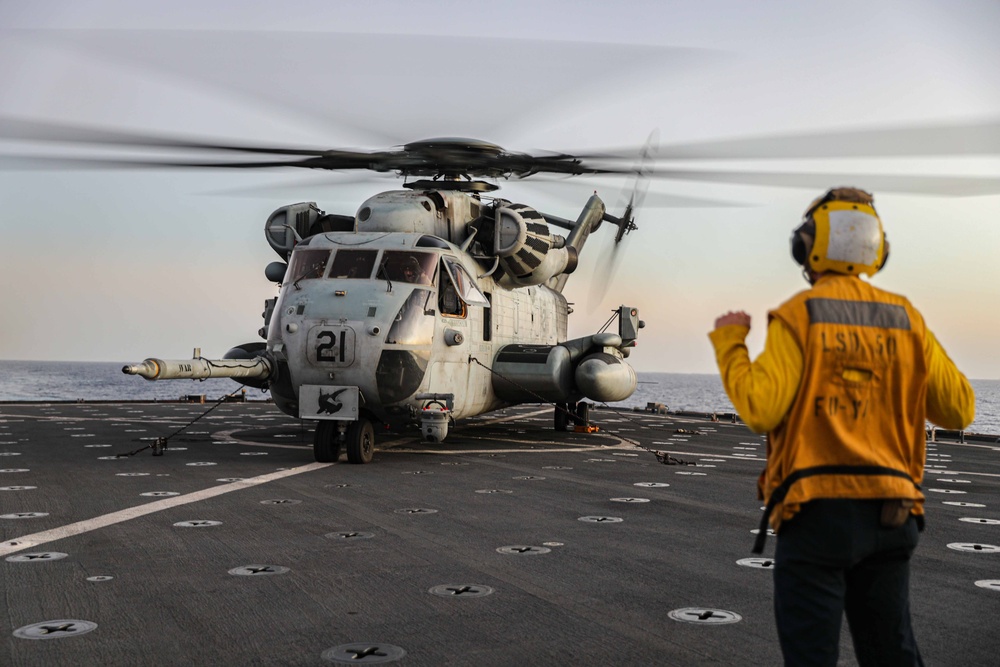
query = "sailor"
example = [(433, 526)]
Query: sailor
[(847, 378)]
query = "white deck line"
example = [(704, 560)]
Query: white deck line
[(80, 527)]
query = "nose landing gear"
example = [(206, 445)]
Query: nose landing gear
[(326, 442), (358, 436)]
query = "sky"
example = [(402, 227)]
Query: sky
[(114, 265)]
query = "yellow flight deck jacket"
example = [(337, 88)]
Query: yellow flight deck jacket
[(848, 376)]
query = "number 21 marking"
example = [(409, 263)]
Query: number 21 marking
[(330, 350)]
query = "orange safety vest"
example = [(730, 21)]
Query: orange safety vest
[(856, 426)]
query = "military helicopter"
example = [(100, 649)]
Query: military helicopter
[(432, 303), (442, 300)]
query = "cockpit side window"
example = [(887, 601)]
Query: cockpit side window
[(449, 303), (408, 267), (307, 263), (464, 284), (353, 264)]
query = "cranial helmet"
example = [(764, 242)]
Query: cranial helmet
[(841, 232)]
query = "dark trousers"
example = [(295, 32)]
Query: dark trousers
[(832, 558)]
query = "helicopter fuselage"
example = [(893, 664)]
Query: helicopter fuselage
[(399, 315), (429, 305)]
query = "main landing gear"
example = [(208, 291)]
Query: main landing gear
[(359, 437), (578, 412), (561, 416)]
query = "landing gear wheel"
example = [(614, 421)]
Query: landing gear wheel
[(582, 414), (360, 441), (326, 442), (561, 418)]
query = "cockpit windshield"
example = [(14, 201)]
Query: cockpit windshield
[(307, 263), (408, 267), (353, 264)]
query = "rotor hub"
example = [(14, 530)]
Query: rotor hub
[(452, 185)]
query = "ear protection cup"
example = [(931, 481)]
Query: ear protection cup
[(800, 249)]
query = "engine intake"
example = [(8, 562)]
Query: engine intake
[(528, 253)]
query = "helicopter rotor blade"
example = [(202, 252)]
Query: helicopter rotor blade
[(425, 158), (405, 162), (21, 129), (408, 163), (956, 186), (265, 66), (468, 157), (974, 137), (274, 69), (30, 162)]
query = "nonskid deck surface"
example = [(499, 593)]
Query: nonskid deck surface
[(510, 544)]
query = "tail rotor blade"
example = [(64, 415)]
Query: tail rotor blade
[(611, 258), (610, 261)]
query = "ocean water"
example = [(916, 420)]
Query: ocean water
[(99, 381), (704, 393), (104, 381)]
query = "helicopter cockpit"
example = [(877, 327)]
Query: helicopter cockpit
[(457, 287), (355, 264)]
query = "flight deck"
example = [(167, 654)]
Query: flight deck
[(509, 544)]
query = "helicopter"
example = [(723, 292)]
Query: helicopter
[(442, 300), (432, 303), (448, 202)]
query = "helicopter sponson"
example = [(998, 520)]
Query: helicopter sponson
[(591, 367)]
